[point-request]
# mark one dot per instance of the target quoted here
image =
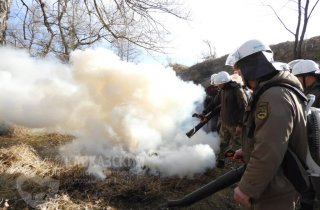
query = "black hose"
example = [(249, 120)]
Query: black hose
[(206, 119), (212, 187)]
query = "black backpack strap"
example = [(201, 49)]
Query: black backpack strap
[(261, 90), (256, 95)]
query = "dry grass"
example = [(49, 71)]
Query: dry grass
[(65, 202), (31, 158), (19, 131), (22, 159)]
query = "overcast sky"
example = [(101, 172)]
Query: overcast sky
[(229, 23)]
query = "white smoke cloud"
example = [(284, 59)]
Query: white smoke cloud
[(185, 160), (117, 110), (32, 90)]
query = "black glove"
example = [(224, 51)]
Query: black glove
[(195, 115), (200, 116)]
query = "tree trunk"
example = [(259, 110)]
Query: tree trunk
[(5, 128), (304, 29), (296, 35), (4, 11)]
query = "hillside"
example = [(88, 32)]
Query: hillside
[(201, 72)]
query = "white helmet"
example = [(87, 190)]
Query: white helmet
[(248, 48), (294, 62), (221, 78), (212, 79), (305, 67)]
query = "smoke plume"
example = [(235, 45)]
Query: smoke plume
[(122, 114)]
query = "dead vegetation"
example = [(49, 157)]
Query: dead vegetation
[(32, 177)]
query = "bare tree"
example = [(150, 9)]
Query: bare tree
[(4, 10), (304, 12), (126, 50), (210, 52), (60, 26)]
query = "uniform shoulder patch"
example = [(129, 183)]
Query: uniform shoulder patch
[(262, 111)]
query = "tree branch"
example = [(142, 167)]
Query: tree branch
[(24, 20), (283, 24)]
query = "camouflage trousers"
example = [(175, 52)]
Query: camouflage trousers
[(229, 140)]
